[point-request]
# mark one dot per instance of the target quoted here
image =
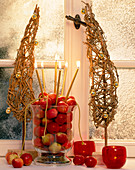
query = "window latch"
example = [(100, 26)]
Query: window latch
[(77, 21)]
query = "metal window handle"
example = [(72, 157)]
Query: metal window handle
[(77, 21)]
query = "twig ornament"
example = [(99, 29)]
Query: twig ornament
[(103, 74), (20, 91)]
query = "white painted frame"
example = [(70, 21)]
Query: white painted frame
[(74, 50)]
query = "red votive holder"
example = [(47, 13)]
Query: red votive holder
[(114, 157), (84, 148)]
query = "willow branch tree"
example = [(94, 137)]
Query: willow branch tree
[(20, 91), (103, 74)]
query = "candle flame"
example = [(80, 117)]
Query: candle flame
[(78, 64), (66, 64), (42, 64), (35, 65), (59, 64)]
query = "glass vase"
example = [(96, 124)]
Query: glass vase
[(52, 134)]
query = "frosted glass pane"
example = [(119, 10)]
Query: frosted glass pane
[(8, 129), (123, 127), (15, 15), (116, 18)]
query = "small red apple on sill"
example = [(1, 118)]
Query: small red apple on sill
[(78, 160), (90, 161), (17, 162), (10, 156), (27, 159)]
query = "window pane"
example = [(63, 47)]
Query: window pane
[(8, 129), (123, 127), (15, 15), (117, 21)]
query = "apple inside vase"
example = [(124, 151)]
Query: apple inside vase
[(53, 129)]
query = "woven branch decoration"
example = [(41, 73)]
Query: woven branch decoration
[(20, 91), (103, 74)]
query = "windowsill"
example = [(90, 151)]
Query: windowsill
[(129, 165)]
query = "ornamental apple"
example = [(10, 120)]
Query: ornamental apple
[(71, 103), (62, 107), (78, 160), (61, 98), (90, 161), (55, 147), (36, 103), (52, 96), (48, 139), (10, 156), (39, 113), (27, 159), (44, 120), (71, 97), (61, 119), (17, 162), (61, 138), (38, 143), (36, 121), (63, 128), (66, 145), (69, 116), (40, 94), (39, 131), (53, 127), (43, 102), (52, 113)]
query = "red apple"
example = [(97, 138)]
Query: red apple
[(66, 145), (62, 107), (61, 98), (69, 126), (63, 128), (90, 161), (48, 139), (39, 113), (39, 131), (71, 97), (38, 143), (53, 127), (10, 156), (43, 102), (27, 159), (61, 138), (61, 119), (44, 120), (17, 163), (52, 113), (79, 160), (55, 147), (52, 96), (36, 121), (40, 94), (69, 117), (36, 103), (71, 103)]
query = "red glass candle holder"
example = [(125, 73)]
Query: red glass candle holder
[(85, 149), (114, 157)]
